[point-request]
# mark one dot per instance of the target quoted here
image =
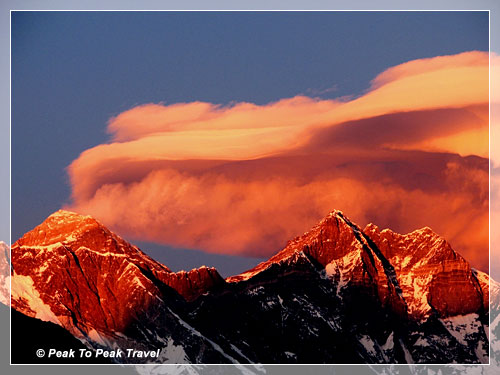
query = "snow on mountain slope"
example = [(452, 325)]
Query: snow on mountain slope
[(73, 271), (415, 272), (337, 294)]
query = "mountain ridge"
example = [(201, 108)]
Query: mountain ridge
[(75, 272)]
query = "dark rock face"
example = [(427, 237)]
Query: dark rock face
[(337, 294), (46, 336), (72, 271)]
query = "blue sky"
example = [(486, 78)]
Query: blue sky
[(72, 71)]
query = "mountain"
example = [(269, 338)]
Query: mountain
[(72, 271), (414, 273), (46, 336), (337, 294), (340, 294), (4, 274)]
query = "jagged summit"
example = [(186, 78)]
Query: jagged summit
[(62, 226), (410, 271), (334, 213), (64, 216), (71, 255), (375, 295), (336, 234), (332, 238), (67, 214), (330, 227)]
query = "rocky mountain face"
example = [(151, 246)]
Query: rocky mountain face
[(337, 294), (4, 274), (43, 335), (72, 271)]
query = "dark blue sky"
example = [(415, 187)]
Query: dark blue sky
[(72, 71)]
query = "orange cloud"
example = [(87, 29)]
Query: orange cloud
[(152, 119), (257, 217), (244, 178), (495, 168), (495, 108), (433, 64)]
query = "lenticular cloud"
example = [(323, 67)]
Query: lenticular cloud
[(242, 179)]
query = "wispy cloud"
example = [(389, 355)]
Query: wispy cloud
[(245, 178)]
